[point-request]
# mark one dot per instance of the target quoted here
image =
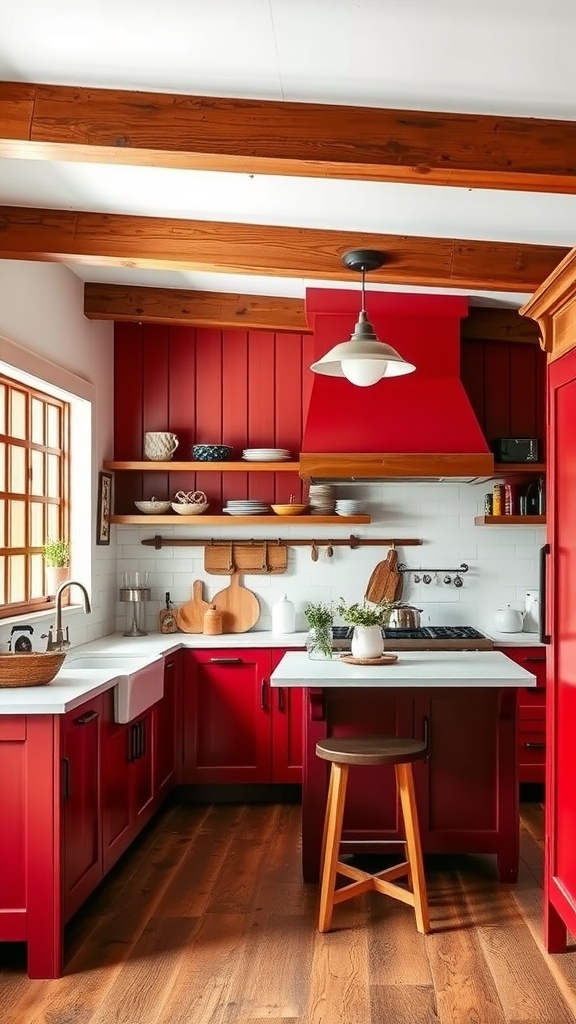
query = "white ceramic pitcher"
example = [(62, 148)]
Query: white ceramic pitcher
[(159, 445)]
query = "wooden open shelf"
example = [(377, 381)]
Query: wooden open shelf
[(515, 468), (224, 520), (245, 466), (509, 520)]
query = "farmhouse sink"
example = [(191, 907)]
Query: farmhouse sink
[(140, 680)]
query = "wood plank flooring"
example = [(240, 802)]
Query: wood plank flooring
[(206, 921)]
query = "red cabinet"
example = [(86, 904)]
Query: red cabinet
[(127, 780), (531, 715), (80, 788), (168, 728), (237, 729), (467, 789)]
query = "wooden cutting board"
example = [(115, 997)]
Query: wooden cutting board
[(190, 616), (385, 581), (239, 606)]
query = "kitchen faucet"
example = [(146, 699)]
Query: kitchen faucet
[(58, 638)]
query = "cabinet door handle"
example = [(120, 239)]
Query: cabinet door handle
[(132, 755), (534, 746), (84, 719), (169, 664), (65, 778), (426, 736), (534, 658), (544, 637), (264, 695), (280, 698), (226, 661)]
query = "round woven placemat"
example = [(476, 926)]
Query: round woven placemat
[(384, 659)]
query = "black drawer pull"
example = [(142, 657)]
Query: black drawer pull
[(534, 746), (541, 660), (84, 719), (226, 661)]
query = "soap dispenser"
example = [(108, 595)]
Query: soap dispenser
[(283, 616)]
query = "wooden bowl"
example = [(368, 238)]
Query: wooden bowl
[(289, 510), (33, 668)]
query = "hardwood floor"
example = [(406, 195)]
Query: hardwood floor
[(206, 921)]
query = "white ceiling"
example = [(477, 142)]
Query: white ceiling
[(512, 57)]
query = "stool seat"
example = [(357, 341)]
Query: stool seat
[(369, 750), (345, 752)]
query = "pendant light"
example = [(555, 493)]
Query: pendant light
[(364, 359)]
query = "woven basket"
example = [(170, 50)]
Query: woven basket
[(35, 668)]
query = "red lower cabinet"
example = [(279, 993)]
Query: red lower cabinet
[(237, 729), (531, 715), (80, 788)]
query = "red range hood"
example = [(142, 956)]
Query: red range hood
[(418, 426)]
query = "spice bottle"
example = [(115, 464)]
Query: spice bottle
[(508, 500), (497, 499), (488, 504)]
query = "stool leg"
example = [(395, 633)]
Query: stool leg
[(332, 833), (405, 783)]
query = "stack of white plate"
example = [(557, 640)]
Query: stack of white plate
[(322, 499), (349, 507), (266, 454), (246, 507)]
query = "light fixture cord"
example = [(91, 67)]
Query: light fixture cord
[(363, 310)]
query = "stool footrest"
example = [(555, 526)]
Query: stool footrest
[(382, 881)]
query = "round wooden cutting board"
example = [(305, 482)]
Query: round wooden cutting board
[(239, 606)]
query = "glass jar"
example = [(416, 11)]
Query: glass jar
[(319, 643)]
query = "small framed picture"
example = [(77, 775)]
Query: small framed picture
[(104, 508)]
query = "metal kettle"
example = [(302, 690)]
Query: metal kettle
[(405, 616)]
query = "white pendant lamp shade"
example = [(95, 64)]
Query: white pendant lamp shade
[(364, 359)]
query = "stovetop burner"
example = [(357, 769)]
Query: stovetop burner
[(438, 637)]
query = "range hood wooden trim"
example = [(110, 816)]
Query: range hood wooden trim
[(394, 465)]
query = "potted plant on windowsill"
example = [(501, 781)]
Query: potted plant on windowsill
[(319, 640), (57, 563), (368, 620)]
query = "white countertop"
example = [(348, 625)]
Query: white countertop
[(523, 639), (413, 669), (70, 689)]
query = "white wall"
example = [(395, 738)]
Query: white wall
[(42, 323), (503, 561)]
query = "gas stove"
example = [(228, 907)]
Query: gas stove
[(425, 638)]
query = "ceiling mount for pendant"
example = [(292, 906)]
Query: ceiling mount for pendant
[(364, 359)]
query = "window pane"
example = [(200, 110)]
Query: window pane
[(54, 439), (2, 524), (17, 514), (37, 467), (2, 587), (37, 421), (17, 577), (53, 476), (52, 521), (17, 414), (17, 470), (2, 466), (2, 408), (36, 576), (36, 524)]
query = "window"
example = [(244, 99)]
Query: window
[(34, 488)]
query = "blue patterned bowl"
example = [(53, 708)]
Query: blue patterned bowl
[(211, 452)]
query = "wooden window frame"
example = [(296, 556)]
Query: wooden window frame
[(62, 453)]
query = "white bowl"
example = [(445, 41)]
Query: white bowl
[(188, 510), (153, 508)]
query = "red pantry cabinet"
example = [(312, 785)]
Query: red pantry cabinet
[(554, 308)]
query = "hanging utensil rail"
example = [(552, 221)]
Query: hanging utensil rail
[(350, 542), (405, 568)]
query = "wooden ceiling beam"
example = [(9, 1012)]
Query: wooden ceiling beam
[(272, 137), (194, 308), (221, 310), (66, 236)]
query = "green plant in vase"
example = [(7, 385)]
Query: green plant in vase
[(319, 641), (57, 553), (368, 619)]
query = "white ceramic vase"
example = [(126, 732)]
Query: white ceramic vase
[(367, 642)]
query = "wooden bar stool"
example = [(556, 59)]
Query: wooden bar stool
[(371, 750)]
